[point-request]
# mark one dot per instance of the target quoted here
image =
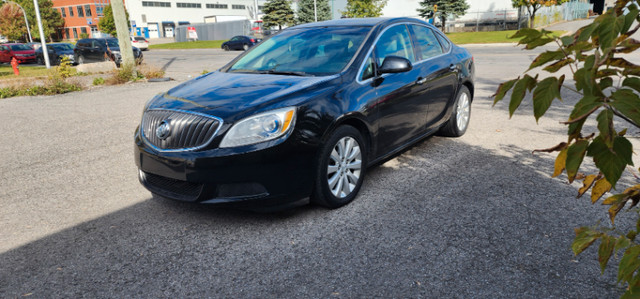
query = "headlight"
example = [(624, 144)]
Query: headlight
[(262, 127)]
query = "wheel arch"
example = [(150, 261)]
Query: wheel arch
[(357, 121)]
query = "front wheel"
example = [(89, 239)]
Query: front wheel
[(245, 47), (459, 120), (340, 168), (39, 60), (225, 47), (80, 59)]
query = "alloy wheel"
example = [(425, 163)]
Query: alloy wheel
[(344, 167), (463, 112)]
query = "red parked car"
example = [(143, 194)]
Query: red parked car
[(21, 52)]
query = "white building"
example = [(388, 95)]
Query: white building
[(408, 8), (158, 18)]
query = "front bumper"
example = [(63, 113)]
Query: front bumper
[(262, 178), (23, 59)]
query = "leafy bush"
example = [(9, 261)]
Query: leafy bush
[(98, 81), (123, 75), (51, 87), (64, 69), (608, 85)]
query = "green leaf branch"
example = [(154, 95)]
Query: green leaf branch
[(608, 86)]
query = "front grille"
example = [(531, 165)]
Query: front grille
[(187, 130), (171, 187)]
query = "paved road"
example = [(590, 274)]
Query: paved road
[(476, 216)]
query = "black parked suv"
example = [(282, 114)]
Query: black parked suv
[(101, 49)]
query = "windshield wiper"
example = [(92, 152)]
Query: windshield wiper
[(274, 72)]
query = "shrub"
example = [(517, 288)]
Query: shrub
[(98, 81), (150, 72)]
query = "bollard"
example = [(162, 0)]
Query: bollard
[(14, 65)]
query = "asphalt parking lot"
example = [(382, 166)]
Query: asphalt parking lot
[(476, 216)]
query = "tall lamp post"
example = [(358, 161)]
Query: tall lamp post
[(25, 18), (45, 52)]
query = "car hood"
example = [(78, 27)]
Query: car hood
[(227, 94)]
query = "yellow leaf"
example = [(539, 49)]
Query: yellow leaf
[(561, 161), (586, 184), (601, 187)]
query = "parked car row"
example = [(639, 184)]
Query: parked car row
[(86, 50)]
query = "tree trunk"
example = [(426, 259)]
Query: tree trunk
[(443, 20)]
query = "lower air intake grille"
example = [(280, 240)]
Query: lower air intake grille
[(172, 188)]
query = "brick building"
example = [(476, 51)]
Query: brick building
[(80, 16)]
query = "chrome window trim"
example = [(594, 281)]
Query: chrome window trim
[(366, 81), (204, 144)]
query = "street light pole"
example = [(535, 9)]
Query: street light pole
[(25, 18), (315, 10), (43, 41)]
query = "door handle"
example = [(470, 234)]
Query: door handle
[(421, 80), (453, 67)]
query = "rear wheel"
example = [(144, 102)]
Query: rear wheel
[(459, 120), (225, 47), (39, 60), (80, 59), (340, 168)]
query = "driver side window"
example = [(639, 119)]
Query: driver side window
[(395, 41)]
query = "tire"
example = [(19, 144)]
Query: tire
[(245, 47), (39, 60), (80, 59), (459, 120), (333, 171), (225, 47)]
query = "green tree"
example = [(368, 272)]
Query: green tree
[(306, 12), (278, 13), (445, 8), (51, 19), (533, 6), (107, 23), (608, 86), (364, 8), (12, 22)]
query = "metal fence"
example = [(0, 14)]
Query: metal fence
[(568, 11), (213, 31)]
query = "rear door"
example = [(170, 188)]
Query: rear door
[(438, 71), (4, 53)]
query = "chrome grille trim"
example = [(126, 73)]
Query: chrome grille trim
[(189, 130)]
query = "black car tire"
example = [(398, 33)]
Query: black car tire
[(323, 194), (225, 47), (80, 59), (452, 127), (245, 47), (39, 60)]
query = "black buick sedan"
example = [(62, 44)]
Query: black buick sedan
[(304, 113)]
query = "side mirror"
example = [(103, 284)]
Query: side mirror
[(395, 64)]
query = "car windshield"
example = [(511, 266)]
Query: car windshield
[(112, 42), (61, 47), (20, 48), (317, 51)]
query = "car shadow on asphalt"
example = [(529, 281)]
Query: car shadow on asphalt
[(444, 218)]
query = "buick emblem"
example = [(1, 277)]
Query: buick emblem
[(164, 130)]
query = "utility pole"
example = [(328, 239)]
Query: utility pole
[(122, 29), (315, 10), (25, 18), (43, 39)]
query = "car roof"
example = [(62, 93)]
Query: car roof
[(366, 22)]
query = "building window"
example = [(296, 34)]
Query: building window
[(62, 12), (144, 18), (80, 11), (70, 11), (75, 33), (188, 5), (87, 10), (156, 4), (67, 35), (236, 6), (218, 6), (83, 30), (99, 10)]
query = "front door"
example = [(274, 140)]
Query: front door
[(401, 103)]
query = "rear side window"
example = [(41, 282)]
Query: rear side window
[(427, 42), (394, 42), (446, 45)]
